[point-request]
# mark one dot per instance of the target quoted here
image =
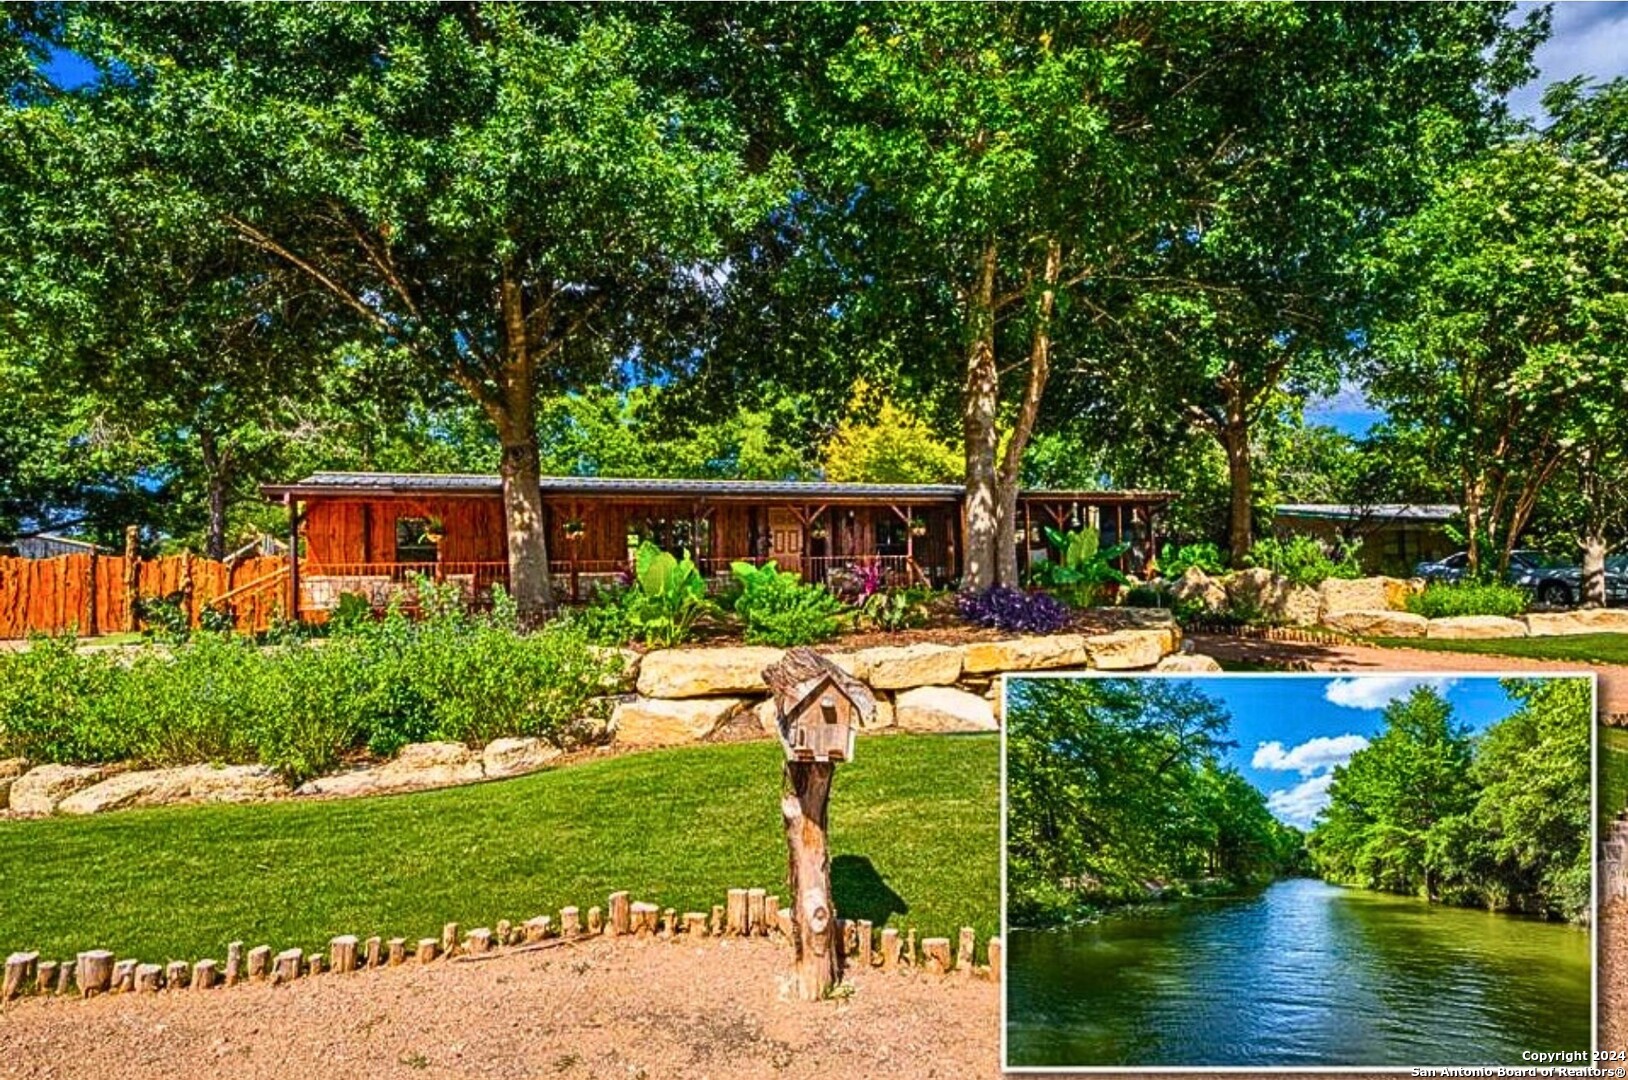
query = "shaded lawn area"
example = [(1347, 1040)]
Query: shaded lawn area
[(1588, 648), (914, 833), (1613, 767)]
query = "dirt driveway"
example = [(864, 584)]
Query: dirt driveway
[(612, 1010), (1300, 656)]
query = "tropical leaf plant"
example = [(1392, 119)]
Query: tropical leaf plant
[(1081, 567)]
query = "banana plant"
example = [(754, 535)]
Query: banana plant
[(1081, 568), (668, 596)]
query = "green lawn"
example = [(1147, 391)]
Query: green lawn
[(1613, 773), (1585, 648), (914, 832)]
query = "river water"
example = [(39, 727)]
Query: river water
[(1302, 974)]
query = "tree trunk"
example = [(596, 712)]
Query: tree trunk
[(1010, 474), (215, 480), (1594, 549), (1241, 511), (978, 417), (814, 920), (513, 409)]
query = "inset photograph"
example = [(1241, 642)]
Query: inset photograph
[(1298, 871)]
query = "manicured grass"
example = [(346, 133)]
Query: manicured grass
[(1585, 648), (1613, 773), (914, 832)]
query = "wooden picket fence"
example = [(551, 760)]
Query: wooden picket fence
[(92, 595)]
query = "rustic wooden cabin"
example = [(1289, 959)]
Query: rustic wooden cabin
[(366, 532)]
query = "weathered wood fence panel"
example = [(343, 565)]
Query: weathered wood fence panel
[(89, 594)]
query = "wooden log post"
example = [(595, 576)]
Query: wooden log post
[(771, 915), (620, 915), (286, 967), (596, 921), (234, 963), (64, 977), (398, 952), (783, 923), (569, 926), (504, 933), (537, 929), (910, 947), (259, 966), (644, 916), (372, 951), (20, 966), (669, 923), (313, 964), (132, 577), (756, 923), (716, 926), (935, 953), (95, 974), (890, 948), (966, 952), (449, 939), (479, 942), (124, 975), (45, 977), (342, 953), (426, 950), (203, 975), (864, 927), (148, 978), (994, 948), (736, 914), (695, 924)]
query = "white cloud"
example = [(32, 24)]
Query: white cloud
[(1309, 757), (1301, 804), (1586, 40), (1378, 691)]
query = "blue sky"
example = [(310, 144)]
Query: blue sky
[(1292, 732)]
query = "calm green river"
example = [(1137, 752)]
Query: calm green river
[(1302, 974)]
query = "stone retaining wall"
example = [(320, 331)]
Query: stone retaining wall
[(668, 697)]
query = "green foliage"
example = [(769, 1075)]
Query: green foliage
[(1303, 560), (894, 610), (1441, 599), (1502, 821), (881, 442), (1147, 596), (1117, 785), (300, 707), (667, 597), (779, 609), (1175, 561), (1080, 568)]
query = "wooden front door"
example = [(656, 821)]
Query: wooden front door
[(785, 539)]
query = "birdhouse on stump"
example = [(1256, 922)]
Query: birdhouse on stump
[(819, 707)]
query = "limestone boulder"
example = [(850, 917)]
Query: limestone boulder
[(669, 722), (1037, 653), (903, 667), (1273, 596), (40, 790), (1195, 585), (512, 757), (1299, 605), (943, 709), (1125, 650), (1194, 663), (171, 787), (10, 770), (1385, 624), (693, 673), (416, 766), (1582, 621), (1340, 595), (1474, 627), (853, 663)]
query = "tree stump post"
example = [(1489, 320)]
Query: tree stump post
[(398, 951), (95, 974), (569, 926), (935, 952), (426, 950), (19, 966), (342, 953), (259, 962), (864, 943), (621, 917), (371, 951), (995, 958), (890, 948), (124, 975), (736, 914), (149, 977), (966, 950), (234, 963)]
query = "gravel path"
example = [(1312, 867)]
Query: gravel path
[(1300, 656), (622, 1010)]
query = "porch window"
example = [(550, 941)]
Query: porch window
[(412, 541), (892, 537)]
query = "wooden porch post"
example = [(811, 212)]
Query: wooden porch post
[(293, 558), (1119, 531), (132, 576), (1028, 539)]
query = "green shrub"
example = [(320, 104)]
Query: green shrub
[(1081, 569), (667, 597), (1147, 596), (894, 610), (777, 608), (1440, 600), (1174, 561), (1302, 560)]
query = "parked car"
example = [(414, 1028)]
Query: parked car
[(1552, 581)]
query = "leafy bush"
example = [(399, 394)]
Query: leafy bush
[(1081, 568), (1302, 560), (778, 609), (894, 611), (1175, 561), (1147, 596), (302, 706), (1006, 608), (604, 618), (660, 606), (1440, 599)]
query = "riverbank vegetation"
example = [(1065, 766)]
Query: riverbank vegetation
[(1500, 820), (1117, 792)]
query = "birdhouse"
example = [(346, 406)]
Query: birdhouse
[(820, 707)]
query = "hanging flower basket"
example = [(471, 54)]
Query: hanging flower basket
[(918, 527), (574, 530), (818, 532)]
